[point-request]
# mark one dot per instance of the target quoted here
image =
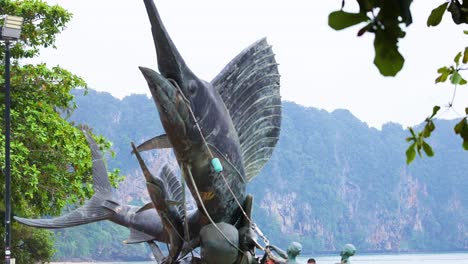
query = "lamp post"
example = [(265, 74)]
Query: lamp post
[(11, 31)]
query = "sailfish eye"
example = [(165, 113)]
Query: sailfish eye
[(192, 87)]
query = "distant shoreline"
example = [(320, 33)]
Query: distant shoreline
[(302, 256)]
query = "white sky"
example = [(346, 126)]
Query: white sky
[(320, 67)]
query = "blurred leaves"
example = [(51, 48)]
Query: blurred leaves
[(459, 11), (386, 19), (388, 59), (340, 20)]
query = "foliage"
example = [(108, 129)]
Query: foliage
[(50, 158), (42, 23), (384, 19)]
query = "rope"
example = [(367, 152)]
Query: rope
[(187, 103), (208, 215)]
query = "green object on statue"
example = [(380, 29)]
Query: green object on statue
[(216, 163), (348, 251)]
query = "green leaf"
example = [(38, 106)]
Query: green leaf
[(466, 110), (462, 129), (442, 78), (435, 109), (436, 15), (444, 74), (364, 29), (410, 153), (457, 11), (366, 5), (457, 58), (465, 32), (459, 126), (388, 59), (427, 149), (456, 78), (465, 144), (428, 129), (444, 69), (340, 19), (465, 56), (412, 132), (405, 12)]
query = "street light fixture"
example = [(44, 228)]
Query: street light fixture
[(11, 31)]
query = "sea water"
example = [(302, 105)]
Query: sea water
[(449, 258), (446, 258)]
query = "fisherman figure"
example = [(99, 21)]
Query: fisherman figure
[(293, 251), (348, 251)]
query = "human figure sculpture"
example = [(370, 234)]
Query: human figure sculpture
[(348, 251), (289, 257)]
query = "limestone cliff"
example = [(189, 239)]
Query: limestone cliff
[(332, 180)]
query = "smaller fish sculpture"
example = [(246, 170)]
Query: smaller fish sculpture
[(145, 225), (171, 215)]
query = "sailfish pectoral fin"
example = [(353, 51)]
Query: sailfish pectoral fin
[(138, 237), (145, 207), (158, 142)]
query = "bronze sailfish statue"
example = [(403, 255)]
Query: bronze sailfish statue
[(222, 133), (235, 118)]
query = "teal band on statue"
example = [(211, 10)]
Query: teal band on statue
[(216, 163)]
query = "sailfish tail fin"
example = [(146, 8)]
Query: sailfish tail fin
[(95, 209), (92, 211)]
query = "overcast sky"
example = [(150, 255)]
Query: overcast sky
[(108, 39)]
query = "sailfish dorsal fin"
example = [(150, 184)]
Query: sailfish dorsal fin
[(250, 88), (173, 188)]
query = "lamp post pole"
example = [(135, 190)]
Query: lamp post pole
[(7, 156), (10, 31)]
